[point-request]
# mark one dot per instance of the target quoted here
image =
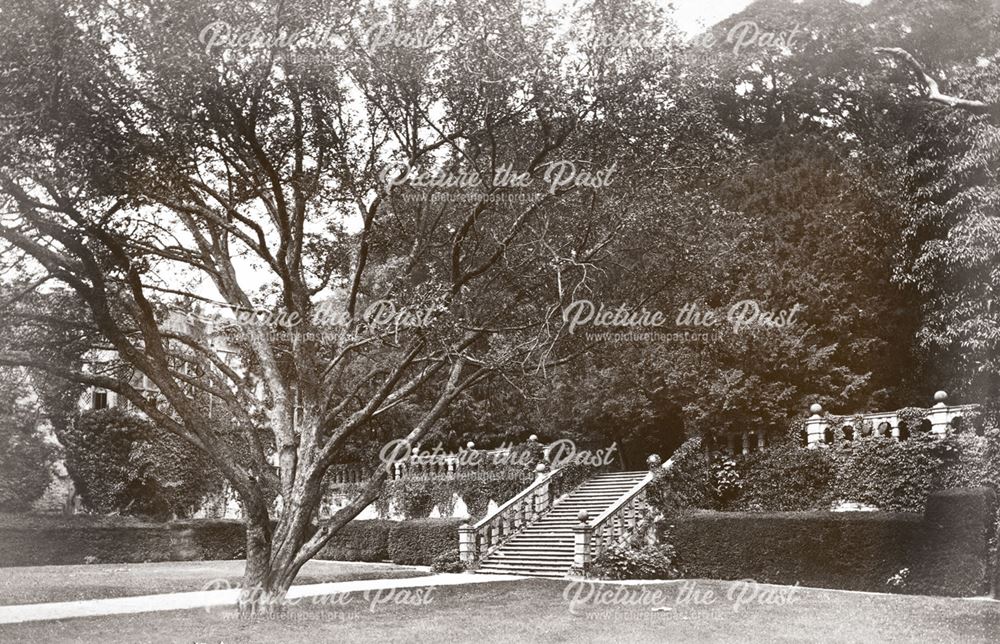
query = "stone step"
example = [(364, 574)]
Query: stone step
[(545, 547), (534, 551), (555, 565), (536, 562), (614, 475), (527, 572)]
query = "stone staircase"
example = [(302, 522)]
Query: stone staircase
[(545, 547)]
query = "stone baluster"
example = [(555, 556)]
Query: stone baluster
[(760, 439), (541, 500), (746, 443)]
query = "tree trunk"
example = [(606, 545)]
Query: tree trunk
[(259, 595), (271, 549)]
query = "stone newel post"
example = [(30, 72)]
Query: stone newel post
[(467, 544), (581, 541), (940, 415), (815, 426)]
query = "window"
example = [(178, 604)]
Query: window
[(99, 399)]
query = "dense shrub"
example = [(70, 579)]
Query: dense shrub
[(418, 542), (954, 554), (25, 462), (25, 456), (359, 541), (943, 552), (448, 561), (635, 562)]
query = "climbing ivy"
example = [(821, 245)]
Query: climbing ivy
[(121, 464)]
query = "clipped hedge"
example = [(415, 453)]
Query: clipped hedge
[(419, 542), (27, 540), (45, 541), (359, 541), (944, 551)]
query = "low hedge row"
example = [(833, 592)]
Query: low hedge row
[(943, 552), (43, 541), (359, 541), (419, 542), (38, 542), (416, 542)]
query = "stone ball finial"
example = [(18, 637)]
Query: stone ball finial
[(940, 396), (654, 461), (533, 438), (816, 409), (584, 516), (470, 445), (540, 468)]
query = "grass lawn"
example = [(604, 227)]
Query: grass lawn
[(538, 611), (66, 583)]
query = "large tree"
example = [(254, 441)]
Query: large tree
[(153, 159)]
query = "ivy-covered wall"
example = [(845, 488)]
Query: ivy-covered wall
[(878, 472)]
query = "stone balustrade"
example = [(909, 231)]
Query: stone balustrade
[(477, 541), (746, 441), (616, 524), (340, 475), (939, 420)]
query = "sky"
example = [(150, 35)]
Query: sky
[(693, 16)]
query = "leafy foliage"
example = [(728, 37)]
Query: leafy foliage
[(687, 484), (24, 468), (25, 455), (636, 562), (448, 561)]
